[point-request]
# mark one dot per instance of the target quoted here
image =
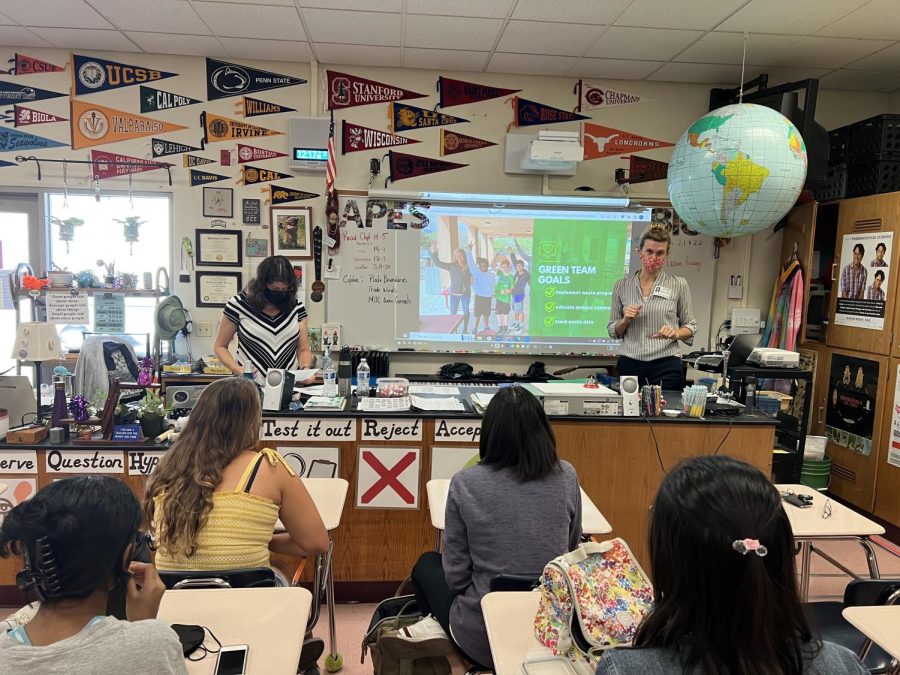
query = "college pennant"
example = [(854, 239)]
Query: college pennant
[(202, 177), (591, 97), (19, 93), (25, 65), (347, 91), (453, 143), (251, 175), (458, 92), (405, 117), (410, 166), (253, 107), (23, 116), (92, 75), (109, 164), (218, 128), (528, 113), (357, 137), (94, 124), (12, 139), (3, 163), (161, 147), (600, 141), (154, 100), (642, 170), (193, 160), (280, 195), (225, 79), (248, 153)]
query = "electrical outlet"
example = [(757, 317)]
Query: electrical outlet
[(203, 328)]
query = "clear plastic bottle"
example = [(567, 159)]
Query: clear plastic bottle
[(326, 358), (329, 376), (362, 379), (750, 394)]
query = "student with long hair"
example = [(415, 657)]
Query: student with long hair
[(725, 584), (76, 538)]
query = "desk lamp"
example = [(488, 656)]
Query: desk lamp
[(36, 342)]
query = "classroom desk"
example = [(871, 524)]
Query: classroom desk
[(879, 624), (509, 619), (272, 621)]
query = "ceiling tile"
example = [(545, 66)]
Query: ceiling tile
[(535, 64), (617, 69), (286, 3), (887, 59), (21, 37), (780, 75), (165, 43), (690, 14), (722, 47), (703, 72), (642, 43), (828, 52), (573, 11), (795, 17), (352, 28), (84, 38), (251, 21), (563, 39), (446, 32), (394, 6), (270, 50), (497, 9), (6, 21), (61, 13), (160, 16), (878, 19), (357, 55), (444, 59)]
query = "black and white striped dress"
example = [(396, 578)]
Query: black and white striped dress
[(268, 341)]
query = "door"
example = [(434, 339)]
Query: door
[(820, 387), (887, 483), (20, 242), (798, 240)]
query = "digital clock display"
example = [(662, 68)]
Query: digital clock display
[(311, 154)]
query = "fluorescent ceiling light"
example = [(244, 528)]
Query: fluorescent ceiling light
[(535, 200)]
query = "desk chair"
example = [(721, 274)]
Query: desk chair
[(254, 577)]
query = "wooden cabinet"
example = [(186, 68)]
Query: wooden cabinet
[(820, 387), (887, 484)]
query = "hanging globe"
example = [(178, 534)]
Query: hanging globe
[(737, 170)]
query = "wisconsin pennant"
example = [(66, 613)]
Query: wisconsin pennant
[(25, 65), (225, 79), (529, 113), (254, 174), (458, 92), (109, 164), (161, 147), (23, 116), (202, 177), (453, 143), (94, 124), (193, 160), (253, 107), (281, 195), (591, 96), (12, 139), (600, 141), (405, 117), (91, 74), (154, 100), (19, 93), (248, 153), (218, 128), (410, 166), (357, 138), (347, 91)]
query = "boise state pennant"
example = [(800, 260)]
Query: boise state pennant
[(154, 100), (453, 142), (203, 177), (528, 113), (600, 142), (161, 147), (253, 107), (12, 139), (225, 79), (25, 65), (19, 93), (110, 164), (347, 91), (94, 124), (356, 137), (218, 128), (251, 175), (410, 166), (193, 160), (248, 153), (23, 116), (91, 74), (405, 117), (458, 92), (280, 195)]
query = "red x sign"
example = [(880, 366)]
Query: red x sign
[(388, 477)]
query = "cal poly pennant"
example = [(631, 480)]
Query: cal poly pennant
[(225, 79), (248, 153), (218, 128), (280, 195), (254, 107), (19, 93), (92, 74), (154, 100), (410, 166), (453, 142), (23, 116), (255, 174), (94, 124), (405, 117), (25, 65), (347, 91), (458, 92), (12, 139), (111, 164), (600, 141), (529, 113), (357, 137), (204, 177), (161, 147)]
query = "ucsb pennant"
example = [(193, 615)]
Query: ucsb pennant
[(253, 107), (92, 74), (19, 93), (409, 166), (202, 177), (405, 117), (161, 147), (356, 138), (453, 142), (529, 113), (347, 91), (193, 160), (248, 153), (280, 195), (255, 174), (154, 100), (25, 65), (225, 79), (458, 92), (94, 124), (111, 164), (23, 116), (218, 128), (12, 139)]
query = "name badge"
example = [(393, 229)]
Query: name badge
[(663, 292)]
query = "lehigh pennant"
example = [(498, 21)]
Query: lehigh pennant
[(453, 142), (410, 166), (161, 147), (251, 175), (356, 138)]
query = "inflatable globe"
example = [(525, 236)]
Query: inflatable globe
[(737, 170)]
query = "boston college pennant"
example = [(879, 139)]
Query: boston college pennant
[(453, 142), (410, 166), (110, 164), (25, 65), (23, 116), (458, 92), (94, 124), (203, 177), (225, 79), (600, 141), (92, 75), (253, 107), (280, 195), (347, 91), (529, 113), (154, 100), (254, 174), (218, 128), (356, 138), (248, 153), (405, 117)]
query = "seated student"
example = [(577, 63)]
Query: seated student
[(510, 514), (76, 538), (722, 561)]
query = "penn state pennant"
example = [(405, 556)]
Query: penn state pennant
[(251, 175), (356, 138), (25, 65), (154, 100), (193, 160), (110, 164), (347, 91), (253, 107), (91, 74), (529, 113), (203, 177), (12, 139), (94, 124), (248, 153), (410, 166), (600, 141), (161, 147), (19, 93), (405, 117), (218, 128), (458, 92), (225, 79), (23, 116), (453, 142), (280, 195)]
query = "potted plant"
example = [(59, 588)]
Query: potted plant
[(80, 409), (151, 411), (109, 279)]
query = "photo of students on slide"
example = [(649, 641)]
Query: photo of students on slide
[(483, 283), (523, 279), (460, 283)]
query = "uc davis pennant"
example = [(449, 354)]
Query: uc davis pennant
[(357, 138), (19, 93), (109, 164), (161, 147), (25, 65), (600, 141), (24, 116), (405, 117), (529, 113), (193, 160), (154, 100), (591, 96), (225, 79), (94, 124), (409, 166), (248, 153), (453, 142), (253, 107), (347, 91), (218, 128), (280, 195), (91, 74), (458, 92), (254, 174), (11, 139), (202, 177)]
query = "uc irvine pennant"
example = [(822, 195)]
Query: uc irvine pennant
[(225, 79), (94, 124), (405, 117), (193, 160), (458, 92), (347, 91), (19, 93), (528, 113), (410, 166), (12, 139), (203, 177), (254, 174), (109, 164), (600, 141), (282, 195), (218, 128), (248, 153), (357, 138), (25, 65), (161, 147), (453, 142), (253, 107), (92, 74), (154, 100), (24, 116)]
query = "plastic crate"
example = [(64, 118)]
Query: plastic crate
[(874, 176), (877, 135), (835, 186), (839, 141), (768, 405)]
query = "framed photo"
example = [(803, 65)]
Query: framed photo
[(292, 231), (215, 288), (218, 202), (300, 273), (219, 248)]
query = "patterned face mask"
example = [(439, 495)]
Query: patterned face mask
[(651, 263)]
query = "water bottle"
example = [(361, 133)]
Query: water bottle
[(329, 377), (248, 371), (362, 379), (326, 358), (750, 394)]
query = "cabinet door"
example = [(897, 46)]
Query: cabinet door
[(887, 483), (798, 240), (820, 387)]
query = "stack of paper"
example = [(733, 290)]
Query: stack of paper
[(423, 403), (383, 404), (481, 401), (325, 403)]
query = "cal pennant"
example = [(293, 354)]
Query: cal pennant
[(193, 160), (12, 139), (11, 94), (25, 65), (154, 100), (161, 147), (225, 79), (405, 117), (347, 91), (110, 164), (248, 153), (92, 74), (642, 170), (254, 174), (202, 177), (94, 124), (409, 166), (453, 143), (357, 138), (253, 107), (23, 116), (281, 195), (600, 141), (458, 92), (218, 128), (529, 113), (591, 96)]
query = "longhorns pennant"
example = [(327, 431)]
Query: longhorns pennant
[(218, 128), (23, 116), (405, 117), (94, 124), (529, 113), (92, 75), (458, 92), (202, 177), (356, 138), (600, 141), (11, 94), (347, 91), (25, 65), (225, 79), (12, 139), (642, 170), (154, 100), (453, 142), (193, 160), (281, 195), (161, 147), (248, 153), (109, 164), (591, 97), (410, 166), (254, 174), (253, 107)]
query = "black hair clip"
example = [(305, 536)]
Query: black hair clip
[(41, 574)]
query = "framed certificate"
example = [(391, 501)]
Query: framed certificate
[(219, 248), (215, 288), (292, 231)]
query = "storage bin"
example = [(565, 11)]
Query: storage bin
[(874, 136), (835, 186), (767, 404), (839, 142), (816, 474), (873, 176), (783, 400), (391, 387)]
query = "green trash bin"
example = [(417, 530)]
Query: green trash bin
[(816, 473)]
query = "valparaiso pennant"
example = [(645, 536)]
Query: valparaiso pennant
[(280, 195), (248, 153), (405, 117), (453, 142), (253, 107), (202, 177), (592, 96), (154, 100), (254, 174), (23, 116), (218, 128), (410, 166), (25, 65), (193, 160), (600, 141), (458, 92), (161, 147), (12, 139), (94, 124), (91, 74), (357, 138), (346, 91), (19, 93), (109, 164), (225, 79), (527, 113)]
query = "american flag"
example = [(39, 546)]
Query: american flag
[(331, 200)]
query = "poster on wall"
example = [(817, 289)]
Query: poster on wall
[(851, 405), (225, 79), (109, 313), (893, 454), (863, 285)]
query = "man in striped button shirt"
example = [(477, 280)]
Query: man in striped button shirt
[(854, 275)]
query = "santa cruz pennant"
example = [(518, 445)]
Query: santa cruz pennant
[(94, 124), (600, 141), (218, 128), (225, 79), (161, 147), (591, 96), (410, 166), (194, 160), (529, 113), (111, 164), (453, 142), (154, 100), (347, 91), (18, 93), (91, 74), (280, 195), (356, 138), (405, 117), (254, 174), (247, 153), (253, 107), (202, 177), (23, 116), (458, 92), (11, 139), (25, 65)]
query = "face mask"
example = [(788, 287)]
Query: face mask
[(651, 263), (276, 297)]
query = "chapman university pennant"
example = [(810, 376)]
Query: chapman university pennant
[(453, 143), (202, 177), (94, 124), (248, 153), (110, 164), (357, 138), (410, 166), (591, 96), (218, 128), (347, 91), (19, 93), (225, 79), (193, 160), (528, 113), (154, 100), (458, 92), (405, 117), (600, 141), (12, 139), (281, 195), (253, 107), (23, 116), (254, 174), (25, 65), (161, 147), (92, 75)]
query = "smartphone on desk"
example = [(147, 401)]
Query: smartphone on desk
[(232, 660)]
